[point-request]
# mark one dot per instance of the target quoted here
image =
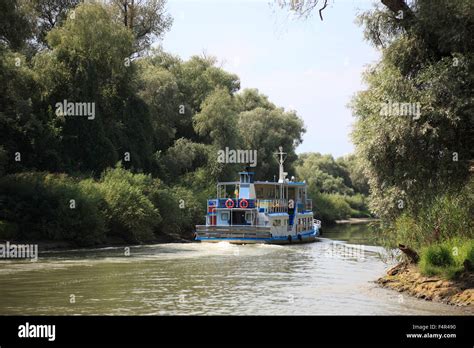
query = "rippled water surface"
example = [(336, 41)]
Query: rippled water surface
[(332, 276)]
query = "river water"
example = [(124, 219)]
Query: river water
[(333, 276)]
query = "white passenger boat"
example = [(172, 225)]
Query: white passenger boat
[(248, 211)]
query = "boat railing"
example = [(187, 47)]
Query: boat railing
[(272, 205), (202, 228), (234, 203), (263, 205)]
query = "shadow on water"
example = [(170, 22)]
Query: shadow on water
[(362, 233)]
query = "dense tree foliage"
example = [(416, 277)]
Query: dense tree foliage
[(412, 157), (414, 129), (15, 25), (81, 91), (47, 14), (337, 186), (146, 19)]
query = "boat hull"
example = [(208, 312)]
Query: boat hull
[(215, 234)]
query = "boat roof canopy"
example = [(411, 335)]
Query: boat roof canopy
[(290, 183)]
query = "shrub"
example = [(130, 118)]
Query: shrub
[(451, 214), (357, 202), (129, 212), (181, 208), (445, 218), (8, 230), (446, 258), (330, 207), (438, 255), (408, 232), (465, 252), (39, 207)]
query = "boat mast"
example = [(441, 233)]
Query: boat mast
[(281, 157)]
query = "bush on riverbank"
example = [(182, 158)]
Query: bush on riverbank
[(442, 233), (42, 206), (447, 258), (129, 212), (121, 205), (447, 216), (330, 207), (338, 187)]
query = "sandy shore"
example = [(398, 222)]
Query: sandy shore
[(408, 279)]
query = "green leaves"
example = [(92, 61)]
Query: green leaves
[(129, 211), (417, 157), (39, 205), (147, 20), (90, 42), (15, 26), (265, 128), (196, 111), (217, 119), (156, 114), (323, 174), (332, 185)]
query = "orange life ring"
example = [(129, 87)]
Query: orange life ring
[(229, 203), (244, 203)]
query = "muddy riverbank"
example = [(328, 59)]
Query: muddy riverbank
[(407, 279)]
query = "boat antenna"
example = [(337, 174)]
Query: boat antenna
[(281, 157)]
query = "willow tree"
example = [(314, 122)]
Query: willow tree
[(265, 130), (415, 120), (146, 19), (89, 63)]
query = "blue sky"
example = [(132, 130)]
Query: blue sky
[(310, 66)]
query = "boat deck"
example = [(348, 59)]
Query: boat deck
[(249, 234), (232, 232)]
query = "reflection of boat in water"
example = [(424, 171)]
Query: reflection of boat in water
[(261, 212)]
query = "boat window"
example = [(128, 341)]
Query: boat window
[(225, 216), (276, 222)]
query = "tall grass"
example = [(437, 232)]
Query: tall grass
[(446, 258), (448, 216), (442, 233)]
